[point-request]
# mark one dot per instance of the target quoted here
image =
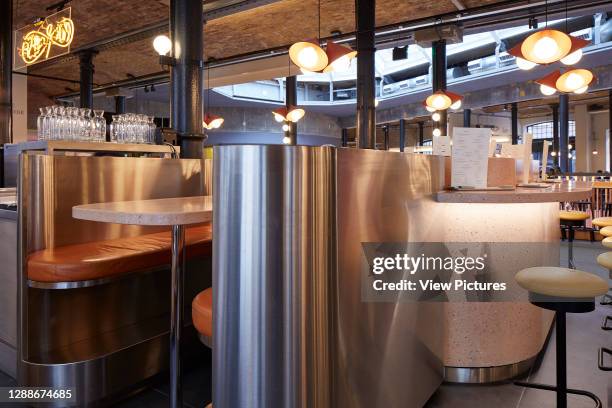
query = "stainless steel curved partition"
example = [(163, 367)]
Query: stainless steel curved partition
[(290, 327), (274, 263)]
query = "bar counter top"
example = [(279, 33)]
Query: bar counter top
[(567, 191)]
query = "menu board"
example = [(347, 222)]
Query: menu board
[(470, 157), (441, 146)]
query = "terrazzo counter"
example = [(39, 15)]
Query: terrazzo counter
[(494, 341)]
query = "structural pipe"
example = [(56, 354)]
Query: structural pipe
[(467, 118), (564, 133), (291, 100), (86, 67), (402, 134), (366, 89), (6, 68), (555, 115), (344, 137), (514, 122), (386, 137), (421, 133), (186, 86), (610, 126), (438, 61)]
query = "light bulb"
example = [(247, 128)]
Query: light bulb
[(162, 44), (545, 48), (375, 102), (553, 154), (216, 123), (286, 127), (582, 90), (456, 105), (569, 146), (595, 152), (574, 81), (430, 109), (435, 117), (277, 117), (437, 132), (572, 58), (295, 114), (569, 156), (286, 140), (524, 64), (341, 64), (547, 90), (307, 57), (438, 102)]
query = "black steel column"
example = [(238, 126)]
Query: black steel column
[(564, 132), (421, 133), (291, 100), (467, 118), (402, 134), (186, 33), (119, 104), (610, 126), (438, 61), (344, 137), (555, 144), (444, 122), (86, 67), (366, 81), (6, 71), (386, 136), (514, 122)]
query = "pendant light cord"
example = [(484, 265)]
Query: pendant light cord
[(566, 29), (546, 13), (319, 18)]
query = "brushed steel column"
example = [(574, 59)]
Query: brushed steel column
[(274, 263)]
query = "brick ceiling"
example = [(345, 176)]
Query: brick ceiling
[(268, 26)]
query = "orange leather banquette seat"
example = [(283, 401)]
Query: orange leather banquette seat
[(201, 312), (105, 259)]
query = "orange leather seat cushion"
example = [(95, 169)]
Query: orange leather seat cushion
[(102, 259), (201, 312)]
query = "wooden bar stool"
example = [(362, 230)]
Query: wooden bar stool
[(571, 220), (201, 314), (564, 291)]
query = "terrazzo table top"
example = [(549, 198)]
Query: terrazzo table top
[(567, 191), (165, 211)]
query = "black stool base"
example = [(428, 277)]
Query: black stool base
[(546, 387)]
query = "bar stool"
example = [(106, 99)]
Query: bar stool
[(606, 231), (201, 314), (570, 220), (564, 291), (605, 260), (602, 222)]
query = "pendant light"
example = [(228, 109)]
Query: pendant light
[(210, 121), (288, 114), (548, 46), (442, 100), (310, 57), (571, 81)]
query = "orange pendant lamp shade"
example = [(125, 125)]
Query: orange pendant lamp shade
[(308, 55), (212, 121), (574, 80), (442, 100), (544, 47), (293, 114), (339, 57)]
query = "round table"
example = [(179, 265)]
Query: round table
[(175, 212)]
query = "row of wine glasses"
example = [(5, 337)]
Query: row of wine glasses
[(132, 128), (69, 123)]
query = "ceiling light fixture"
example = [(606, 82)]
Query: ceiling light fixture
[(288, 114), (571, 81), (210, 121), (442, 100), (437, 132), (310, 57)]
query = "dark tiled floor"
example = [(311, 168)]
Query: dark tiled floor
[(583, 339)]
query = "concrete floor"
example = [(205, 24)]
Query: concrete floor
[(584, 337)]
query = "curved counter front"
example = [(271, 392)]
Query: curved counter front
[(495, 341)]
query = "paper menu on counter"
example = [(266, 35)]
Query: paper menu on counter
[(441, 146), (470, 157)]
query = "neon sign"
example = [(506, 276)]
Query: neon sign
[(45, 39)]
